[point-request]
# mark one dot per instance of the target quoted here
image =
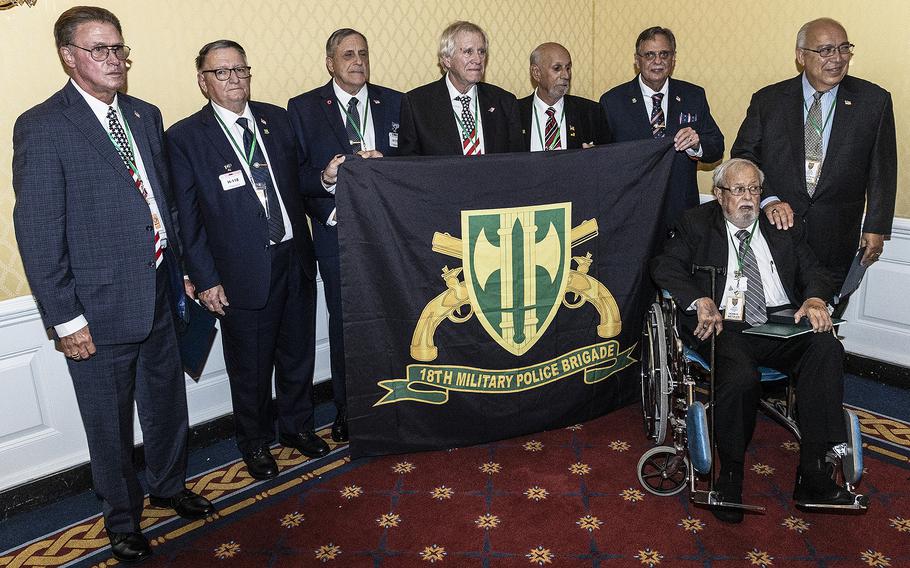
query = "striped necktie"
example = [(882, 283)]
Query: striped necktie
[(658, 122), (259, 171), (756, 309), (551, 136)]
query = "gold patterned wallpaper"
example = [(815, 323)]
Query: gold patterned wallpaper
[(731, 49)]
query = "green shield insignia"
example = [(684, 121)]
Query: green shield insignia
[(516, 266)]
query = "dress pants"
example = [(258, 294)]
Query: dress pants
[(106, 385), (330, 270), (281, 337), (814, 360)]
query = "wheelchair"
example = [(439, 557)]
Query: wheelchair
[(681, 425)]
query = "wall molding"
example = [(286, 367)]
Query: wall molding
[(41, 431)]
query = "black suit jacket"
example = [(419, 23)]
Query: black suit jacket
[(701, 238), (320, 135), (860, 167), (687, 105), (585, 122), (84, 231), (428, 125), (226, 231)]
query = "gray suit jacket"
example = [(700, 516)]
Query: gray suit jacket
[(84, 231)]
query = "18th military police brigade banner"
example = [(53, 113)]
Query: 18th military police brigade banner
[(494, 296)]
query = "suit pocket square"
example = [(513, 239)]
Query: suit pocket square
[(687, 118)]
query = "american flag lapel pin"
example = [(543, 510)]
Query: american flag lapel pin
[(848, 102), (679, 100), (136, 112), (491, 109), (262, 120), (376, 101)]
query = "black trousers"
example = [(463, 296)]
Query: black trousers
[(813, 360), (330, 269), (106, 385), (279, 338)]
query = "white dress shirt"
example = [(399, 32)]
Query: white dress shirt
[(646, 94), (235, 133), (457, 108), (366, 118), (775, 295), (539, 123)]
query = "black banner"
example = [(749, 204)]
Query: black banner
[(486, 298)]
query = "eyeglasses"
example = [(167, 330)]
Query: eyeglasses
[(739, 190), (829, 50), (652, 55), (102, 52), (225, 74)]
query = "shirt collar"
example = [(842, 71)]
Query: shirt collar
[(543, 106), (809, 90), (230, 117), (453, 92), (344, 97), (99, 107), (648, 92)]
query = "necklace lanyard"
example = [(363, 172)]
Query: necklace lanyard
[(562, 115), (361, 132), (474, 136), (739, 256), (246, 156), (820, 130), (129, 139)]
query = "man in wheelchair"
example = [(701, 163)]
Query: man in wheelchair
[(766, 270)]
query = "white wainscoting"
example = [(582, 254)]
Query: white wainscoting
[(40, 428)]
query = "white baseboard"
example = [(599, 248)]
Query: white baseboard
[(40, 428)]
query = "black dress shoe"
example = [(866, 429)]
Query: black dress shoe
[(731, 491), (340, 426), (307, 443), (129, 547), (260, 464), (819, 488), (187, 504)]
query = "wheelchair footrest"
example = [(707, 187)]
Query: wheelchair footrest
[(860, 503), (712, 499)]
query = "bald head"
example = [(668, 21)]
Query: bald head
[(824, 52), (551, 70), (803, 34)]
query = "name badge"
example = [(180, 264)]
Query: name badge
[(813, 171), (231, 180), (736, 301), (393, 139)]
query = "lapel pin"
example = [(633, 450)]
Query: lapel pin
[(572, 128), (679, 100), (262, 120), (634, 100), (265, 130), (848, 102), (227, 167), (376, 101), (523, 131), (328, 101), (136, 112), (491, 109)]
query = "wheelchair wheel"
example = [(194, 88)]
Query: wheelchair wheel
[(662, 471), (655, 392)]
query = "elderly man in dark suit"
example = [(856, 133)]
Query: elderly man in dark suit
[(459, 114), (826, 141), (347, 116), (552, 119), (656, 105), (96, 237), (249, 252), (766, 268)]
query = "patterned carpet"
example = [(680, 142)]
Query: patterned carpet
[(561, 498)]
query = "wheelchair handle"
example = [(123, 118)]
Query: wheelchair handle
[(714, 270)]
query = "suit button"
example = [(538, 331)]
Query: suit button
[(148, 227)]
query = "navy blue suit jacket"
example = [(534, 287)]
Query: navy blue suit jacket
[(84, 231), (226, 231), (686, 106), (860, 168), (320, 135), (428, 125)]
